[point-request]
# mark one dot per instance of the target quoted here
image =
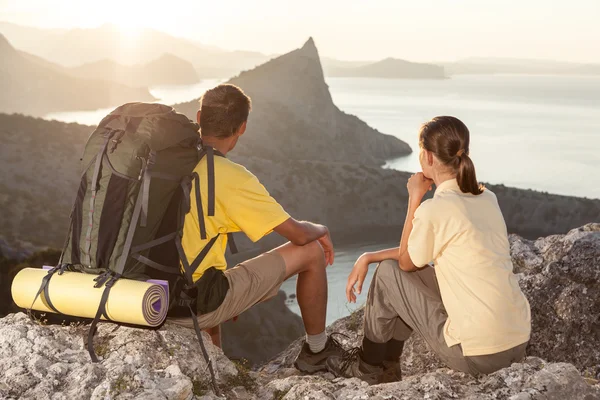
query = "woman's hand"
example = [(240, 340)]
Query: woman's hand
[(357, 277), (417, 186)]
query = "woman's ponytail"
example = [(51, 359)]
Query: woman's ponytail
[(467, 180), (448, 139)]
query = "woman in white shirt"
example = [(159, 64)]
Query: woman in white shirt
[(468, 306)]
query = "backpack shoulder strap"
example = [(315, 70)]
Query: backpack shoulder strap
[(210, 169)]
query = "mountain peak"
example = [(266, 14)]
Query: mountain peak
[(5, 46), (309, 49)]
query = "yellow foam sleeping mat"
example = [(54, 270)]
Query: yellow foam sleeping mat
[(73, 293)]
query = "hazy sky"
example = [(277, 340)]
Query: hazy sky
[(419, 30)]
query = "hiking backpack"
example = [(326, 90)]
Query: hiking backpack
[(134, 192)]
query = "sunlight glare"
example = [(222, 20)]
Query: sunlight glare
[(132, 17)]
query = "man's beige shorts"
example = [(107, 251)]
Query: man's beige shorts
[(250, 283)]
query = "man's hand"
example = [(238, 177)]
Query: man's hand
[(417, 186), (357, 277), (327, 245)]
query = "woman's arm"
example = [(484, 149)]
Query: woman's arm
[(417, 186), (378, 256), (404, 261)]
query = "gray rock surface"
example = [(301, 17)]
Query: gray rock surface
[(560, 275), (51, 362)]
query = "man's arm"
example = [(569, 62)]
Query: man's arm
[(301, 233)]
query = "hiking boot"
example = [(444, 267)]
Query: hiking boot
[(351, 365), (310, 362), (391, 372)]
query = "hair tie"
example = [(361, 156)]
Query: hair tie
[(460, 153)]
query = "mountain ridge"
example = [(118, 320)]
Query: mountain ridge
[(391, 68), (168, 69), (35, 86)]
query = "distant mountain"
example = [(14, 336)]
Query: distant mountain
[(31, 39), (75, 47), (331, 65), (391, 68), (293, 116), (31, 85), (166, 70), (493, 65)]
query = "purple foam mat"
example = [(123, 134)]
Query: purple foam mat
[(164, 284)]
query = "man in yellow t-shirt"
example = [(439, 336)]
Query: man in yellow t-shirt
[(242, 204)]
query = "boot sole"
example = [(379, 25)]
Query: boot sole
[(309, 368)]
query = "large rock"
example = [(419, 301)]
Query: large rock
[(532, 379), (51, 362), (560, 275)]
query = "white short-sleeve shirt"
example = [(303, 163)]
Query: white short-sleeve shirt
[(465, 236)]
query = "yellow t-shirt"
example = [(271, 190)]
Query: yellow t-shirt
[(466, 238), (242, 204)]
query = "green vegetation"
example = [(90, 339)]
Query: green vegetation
[(102, 347), (243, 377), (119, 385), (354, 320), (172, 349), (200, 387)]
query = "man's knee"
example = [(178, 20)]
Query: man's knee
[(316, 254), (302, 258)]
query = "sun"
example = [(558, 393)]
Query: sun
[(131, 19)]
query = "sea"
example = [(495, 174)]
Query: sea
[(537, 132)]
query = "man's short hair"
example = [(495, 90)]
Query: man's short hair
[(223, 110)]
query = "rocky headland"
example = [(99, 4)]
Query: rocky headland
[(294, 117)]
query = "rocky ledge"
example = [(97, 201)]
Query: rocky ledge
[(560, 275)]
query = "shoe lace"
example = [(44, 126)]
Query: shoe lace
[(349, 357), (335, 342)]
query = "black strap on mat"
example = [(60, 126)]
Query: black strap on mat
[(44, 288), (107, 279)]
